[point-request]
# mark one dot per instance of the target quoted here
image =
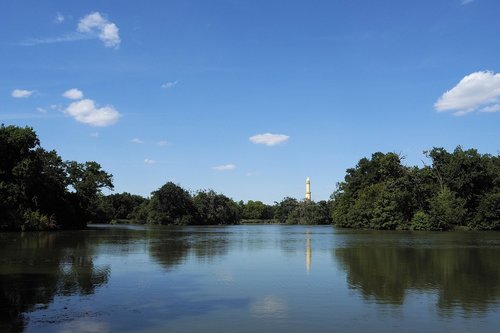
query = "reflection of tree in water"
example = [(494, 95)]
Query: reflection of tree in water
[(173, 247), (35, 267), (465, 277)]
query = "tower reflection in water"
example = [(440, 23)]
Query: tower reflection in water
[(308, 252)]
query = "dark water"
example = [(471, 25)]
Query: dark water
[(249, 279)]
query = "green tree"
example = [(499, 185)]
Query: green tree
[(119, 206), (447, 211), (309, 212), (171, 204), (284, 208), (86, 180), (488, 213), (140, 213), (38, 190), (256, 210), (213, 208)]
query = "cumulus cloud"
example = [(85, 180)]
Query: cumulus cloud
[(107, 31), (224, 167), (86, 111), (168, 85), (73, 94), (137, 141), (21, 93), (476, 91), (94, 25), (41, 110), (149, 161), (269, 139)]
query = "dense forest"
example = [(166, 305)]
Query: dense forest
[(458, 190), (40, 191)]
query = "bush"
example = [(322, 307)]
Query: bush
[(420, 221), (34, 220)]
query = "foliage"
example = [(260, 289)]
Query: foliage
[(39, 191), (256, 210), (308, 212), (283, 209), (213, 208), (446, 210), (488, 213), (118, 206), (456, 191), (171, 204), (140, 213), (420, 221)]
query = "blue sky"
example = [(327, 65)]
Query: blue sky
[(248, 97)]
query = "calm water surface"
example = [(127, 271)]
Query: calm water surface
[(265, 278)]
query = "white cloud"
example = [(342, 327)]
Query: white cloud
[(136, 140), (149, 161), (41, 110), (491, 108), (91, 26), (59, 18), (465, 2), (69, 37), (269, 139), (21, 93), (162, 143), (56, 107), (73, 94), (224, 167), (94, 135), (168, 85), (85, 111), (474, 91), (96, 23)]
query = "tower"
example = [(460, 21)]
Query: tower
[(308, 189)]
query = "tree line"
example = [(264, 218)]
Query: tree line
[(458, 190), (173, 205)]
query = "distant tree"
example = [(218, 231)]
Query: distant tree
[(309, 212), (140, 213), (119, 206), (256, 210), (213, 208), (171, 204), (284, 208)]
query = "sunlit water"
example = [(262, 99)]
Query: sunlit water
[(254, 278)]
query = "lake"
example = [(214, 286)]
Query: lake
[(249, 278)]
